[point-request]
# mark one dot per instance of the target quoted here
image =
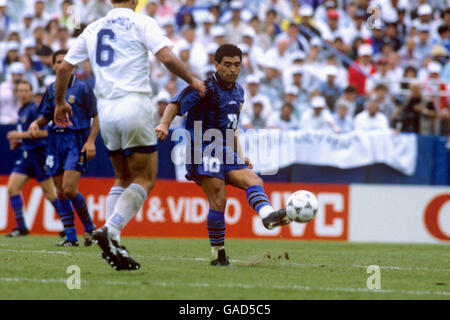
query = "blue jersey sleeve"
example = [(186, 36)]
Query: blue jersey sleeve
[(90, 102), (187, 98), (46, 107)]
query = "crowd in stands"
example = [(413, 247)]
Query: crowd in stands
[(307, 64)]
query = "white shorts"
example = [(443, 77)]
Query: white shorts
[(126, 124)]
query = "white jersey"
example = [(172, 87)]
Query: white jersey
[(117, 47)]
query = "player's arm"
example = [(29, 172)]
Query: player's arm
[(89, 146), (34, 129), (63, 110), (15, 135), (174, 65), (162, 130), (239, 151)]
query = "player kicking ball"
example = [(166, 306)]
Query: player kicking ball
[(219, 110), (69, 149), (32, 162)]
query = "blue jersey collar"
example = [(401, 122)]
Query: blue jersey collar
[(222, 83)]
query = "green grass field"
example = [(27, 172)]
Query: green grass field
[(33, 268)]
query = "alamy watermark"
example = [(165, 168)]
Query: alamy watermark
[(374, 20), (74, 280), (374, 281)]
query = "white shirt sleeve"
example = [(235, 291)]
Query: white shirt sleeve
[(78, 52), (154, 38)]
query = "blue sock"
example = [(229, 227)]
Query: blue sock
[(215, 223), (257, 198), (68, 219), (17, 205), (80, 207)]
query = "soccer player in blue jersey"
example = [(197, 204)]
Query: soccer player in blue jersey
[(219, 161), (69, 150), (32, 162)]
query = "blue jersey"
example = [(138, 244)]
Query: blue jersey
[(27, 114), (218, 109), (80, 97)]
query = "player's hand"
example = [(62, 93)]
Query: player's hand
[(62, 114), (13, 135), (198, 85), (33, 129), (89, 148), (162, 132), (14, 144), (248, 163)]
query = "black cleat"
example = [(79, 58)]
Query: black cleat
[(222, 260), (126, 262), (104, 241), (16, 232), (88, 238), (117, 256), (67, 243), (276, 218)]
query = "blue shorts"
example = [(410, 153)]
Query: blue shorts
[(32, 164), (214, 167), (64, 152)]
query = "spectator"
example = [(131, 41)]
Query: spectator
[(12, 55), (9, 102), (371, 119), (284, 119), (424, 43), (307, 26), (383, 76), (417, 112), (363, 64), (271, 84), (329, 89), (349, 98), (342, 118), (204, 30), (160, 102), (235, 27), (5, 20), (255, 119), (384, 101), (408, 55), (318, 117), (252, 90)]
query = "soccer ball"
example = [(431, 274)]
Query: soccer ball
[(301, 206)]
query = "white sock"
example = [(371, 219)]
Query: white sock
[(265, 211), (128, 204), (111, 200)]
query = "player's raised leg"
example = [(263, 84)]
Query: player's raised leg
[(70, 187), (214, 189), (16, 182), (253, 185)]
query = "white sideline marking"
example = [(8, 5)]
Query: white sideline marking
[(405, 268), (238, 285), (36, 251)]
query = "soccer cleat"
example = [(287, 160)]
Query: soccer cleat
[(88, 238), (104, 241), (222, 260), (126, 262), (67, 243), (276, 218), (16, 232)]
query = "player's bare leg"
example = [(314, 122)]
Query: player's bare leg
[(16, 182), (253, 185), (214, 189), (70, 187)]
